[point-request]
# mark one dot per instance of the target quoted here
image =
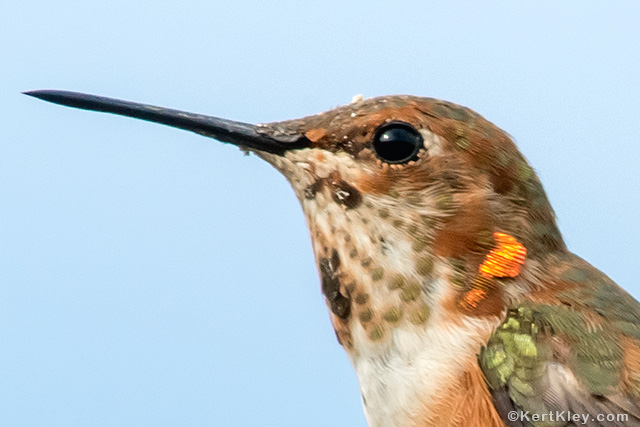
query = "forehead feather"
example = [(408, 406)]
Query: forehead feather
[(342, 120), (350, 128)]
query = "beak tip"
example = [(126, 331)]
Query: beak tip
[(45, 95)]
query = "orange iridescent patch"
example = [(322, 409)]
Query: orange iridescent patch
[(474, 296), (504, 260)]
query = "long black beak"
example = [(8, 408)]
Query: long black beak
[(241, 134)]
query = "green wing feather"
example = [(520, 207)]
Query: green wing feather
[(575, 353)]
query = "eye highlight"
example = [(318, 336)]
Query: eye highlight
[(397, 142)]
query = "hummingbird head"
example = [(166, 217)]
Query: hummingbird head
[(405, 199)]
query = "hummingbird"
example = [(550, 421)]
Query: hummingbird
[(446, 278)]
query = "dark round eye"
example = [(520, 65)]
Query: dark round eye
[(397, 142)]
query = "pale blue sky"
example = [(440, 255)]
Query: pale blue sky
[(152, 277)]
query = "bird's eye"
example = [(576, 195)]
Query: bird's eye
[(397, 142)]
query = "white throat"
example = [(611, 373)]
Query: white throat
[(408, 375)]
